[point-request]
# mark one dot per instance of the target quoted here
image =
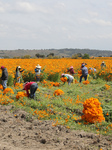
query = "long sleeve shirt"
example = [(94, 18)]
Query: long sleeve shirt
[(4, 74), (27, 87), (71, 70), (84, 71)]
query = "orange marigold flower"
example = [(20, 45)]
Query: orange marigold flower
[(107, 114), (92, 111), (64, 79), (1, 87), (21, 94), (85, 82), (58, 92), (8, 90)]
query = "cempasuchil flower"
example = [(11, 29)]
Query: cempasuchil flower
[(92, 111)]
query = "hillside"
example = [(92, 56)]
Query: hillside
[(57, 52)]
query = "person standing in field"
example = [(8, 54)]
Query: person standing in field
[(18, 75), (32, 86), (4, 77), (37, 72), (103, 65), (84, 73), (71, 70), (69, 77)]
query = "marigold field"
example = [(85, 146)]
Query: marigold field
[(55, 65), (81, 106)]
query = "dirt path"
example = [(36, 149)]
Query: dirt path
[(18, 134)]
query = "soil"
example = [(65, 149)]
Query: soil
[(18, 132)]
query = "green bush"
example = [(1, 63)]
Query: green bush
[(54, 77), (10, 81), (29, 76)]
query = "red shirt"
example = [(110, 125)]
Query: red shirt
[(27, 87), (71, 70)]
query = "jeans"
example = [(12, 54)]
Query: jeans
[(4, 84), (70, 81), (85, 77), (33, 89), (38, 78)]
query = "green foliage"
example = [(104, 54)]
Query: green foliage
[(86, 56), (107, 111), (54, 77), (28, 76), (26, 57), (105, 76), (10, 81), (39, 55)]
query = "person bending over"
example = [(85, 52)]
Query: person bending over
[(32, 86)]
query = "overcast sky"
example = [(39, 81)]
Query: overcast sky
[(46, 24)]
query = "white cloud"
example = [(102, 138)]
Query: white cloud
[(55, 23), (4, 7), (92, 13), (25, 6), (110, 4), (97, 22)]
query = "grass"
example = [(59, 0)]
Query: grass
[(67, 109)]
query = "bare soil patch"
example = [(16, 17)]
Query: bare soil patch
[(18, 134)]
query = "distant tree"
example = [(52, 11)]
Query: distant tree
[(42, 56), (100, 56), (39, 56), (85, 56), (75, 56), (26, 57), (5, 56), (110, 55), (79, 54), (51, 54), (16, 57)]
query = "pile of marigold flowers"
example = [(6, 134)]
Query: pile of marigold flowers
[(85, 82), (92, 111), (64, 79), (8, 90), (55, 83), (21, 95), (58, 92)]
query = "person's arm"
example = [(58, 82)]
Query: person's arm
[(21, 70), (26, 88)]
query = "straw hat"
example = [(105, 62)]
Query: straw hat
[(19, 67), (38, 66)]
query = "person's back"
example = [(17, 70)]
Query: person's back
[(84, 71), (103, 65), (4, 74), (37, 71), (70, 78)]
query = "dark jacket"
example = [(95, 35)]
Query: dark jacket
[(4, 74), (84, 71)]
